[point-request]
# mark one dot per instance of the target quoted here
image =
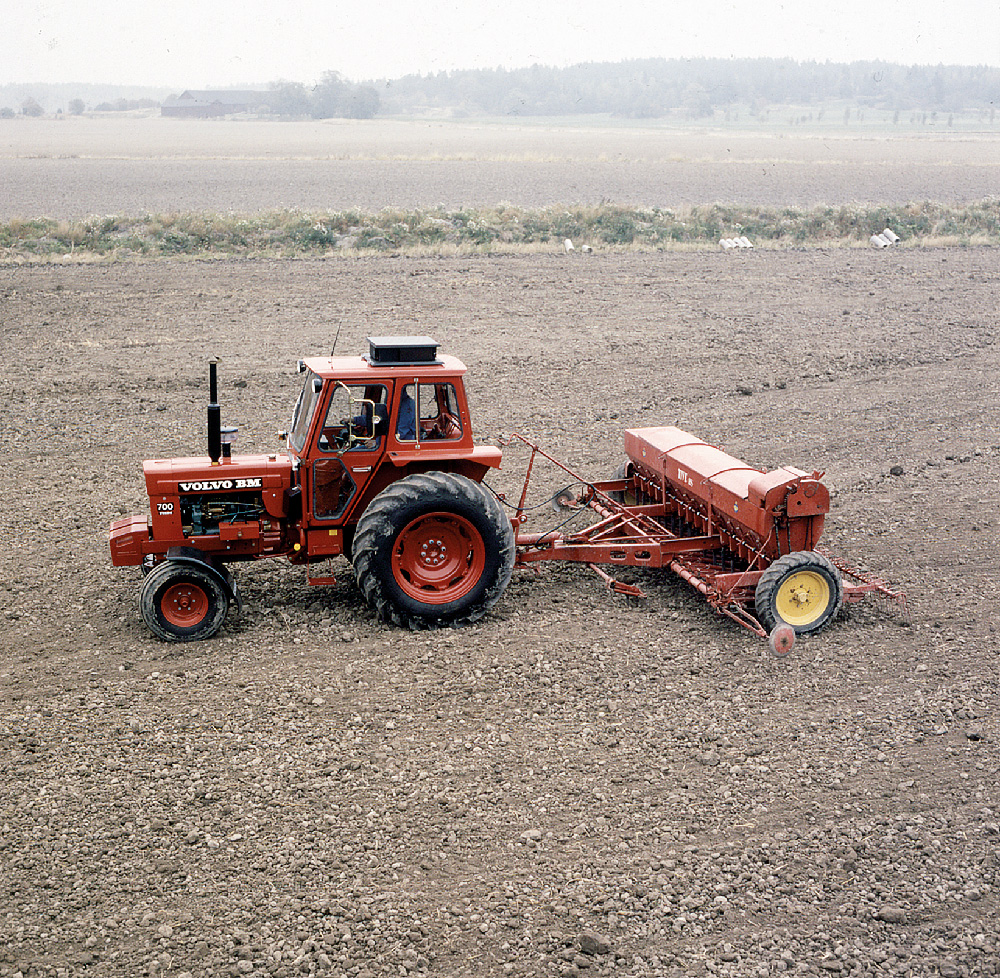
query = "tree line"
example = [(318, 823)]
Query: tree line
[(642, 88), (652, 87), (332, 97)]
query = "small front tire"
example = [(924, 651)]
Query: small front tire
[(183, 602)]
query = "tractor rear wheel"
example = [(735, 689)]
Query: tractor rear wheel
[(434, 549), (801, 589), (183, 602)]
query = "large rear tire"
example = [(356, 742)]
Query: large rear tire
[(433, 549), (801, 589), (183, 602)]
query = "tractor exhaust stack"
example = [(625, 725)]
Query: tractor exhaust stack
[(214, 414)]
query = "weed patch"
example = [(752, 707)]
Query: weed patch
[(500, 228)]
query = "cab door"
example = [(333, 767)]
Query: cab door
[(349, 444)]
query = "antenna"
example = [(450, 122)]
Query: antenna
[(337, 337)]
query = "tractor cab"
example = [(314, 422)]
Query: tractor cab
[(359, 420), (402, 389)]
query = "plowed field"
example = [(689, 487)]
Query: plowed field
[(575, 785), (80, 167)]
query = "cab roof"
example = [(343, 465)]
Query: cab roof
[(388, 355), (360, 368)]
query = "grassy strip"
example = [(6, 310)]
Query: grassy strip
[(289, 233)]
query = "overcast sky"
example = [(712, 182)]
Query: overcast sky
[(214, 43)]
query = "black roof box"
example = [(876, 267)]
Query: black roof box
[(401, 351)]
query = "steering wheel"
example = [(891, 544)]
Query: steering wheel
[(447, 426), (334, 437)]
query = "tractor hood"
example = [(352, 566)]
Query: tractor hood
[(241, 473)]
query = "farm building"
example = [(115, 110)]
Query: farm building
[(207, 104)]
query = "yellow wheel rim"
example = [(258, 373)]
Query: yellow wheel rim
[(802, 598)]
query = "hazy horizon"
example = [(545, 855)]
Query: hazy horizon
[(251, 43), (264, 84)]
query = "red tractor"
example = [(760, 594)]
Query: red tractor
[(380, 466)]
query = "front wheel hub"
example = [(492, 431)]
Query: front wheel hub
[(184, 604)]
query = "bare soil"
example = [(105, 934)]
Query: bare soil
[(75, 168), (71, 189), (575, 786)]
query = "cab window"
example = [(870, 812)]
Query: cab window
[(355, 418), (430, 411), (305, 408)]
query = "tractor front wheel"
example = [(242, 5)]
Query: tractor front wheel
[(183, 602), (801, 589), (433, 549)]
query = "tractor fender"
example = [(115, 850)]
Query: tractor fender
[(191, 555)]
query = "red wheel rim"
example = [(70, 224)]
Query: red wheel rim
[(438, 558), (184, 605)]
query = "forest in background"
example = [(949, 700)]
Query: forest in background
[(696, 88)]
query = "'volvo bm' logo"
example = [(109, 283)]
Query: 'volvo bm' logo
[(215, 485)]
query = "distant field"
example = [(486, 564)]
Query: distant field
[(84, 166)]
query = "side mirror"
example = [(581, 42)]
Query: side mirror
[(317, 385)]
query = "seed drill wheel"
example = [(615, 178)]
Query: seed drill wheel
[(625, 470), (183, 602), (801, 589), (433, 549)]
